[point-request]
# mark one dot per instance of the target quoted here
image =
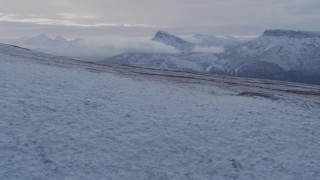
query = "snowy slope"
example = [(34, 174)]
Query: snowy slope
[(171, 40), (158, 61), (66, 119), (196, 62)]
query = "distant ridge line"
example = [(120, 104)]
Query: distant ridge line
[(291, 33)]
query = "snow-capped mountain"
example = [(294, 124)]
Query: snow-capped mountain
[(60, 46), (292, 34), (188, 60), (43, 40), (278, 54), (171, 40)]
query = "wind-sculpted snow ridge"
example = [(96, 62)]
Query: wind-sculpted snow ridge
[(68, 119)]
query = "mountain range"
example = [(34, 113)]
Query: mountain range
[(276, 54), (59, 46), (44, 40)]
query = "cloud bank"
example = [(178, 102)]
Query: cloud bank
[(94, 50), (127, 18), (208, 49)]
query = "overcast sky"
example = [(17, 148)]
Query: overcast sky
[(142, 18)]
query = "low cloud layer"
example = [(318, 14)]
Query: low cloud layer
[(100, 50), (146, 46), (96, 50), (208, 49)]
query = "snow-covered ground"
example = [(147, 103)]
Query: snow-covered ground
[(75, 120)]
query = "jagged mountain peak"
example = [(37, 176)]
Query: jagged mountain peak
[(291, 33), (161, 35), (172, 40), (160, 32), (45, 40)]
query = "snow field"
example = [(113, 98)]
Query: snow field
[(68, 123)]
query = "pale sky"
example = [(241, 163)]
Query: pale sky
[(142, 18)]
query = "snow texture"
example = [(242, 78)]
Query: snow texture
[(66, 119)]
